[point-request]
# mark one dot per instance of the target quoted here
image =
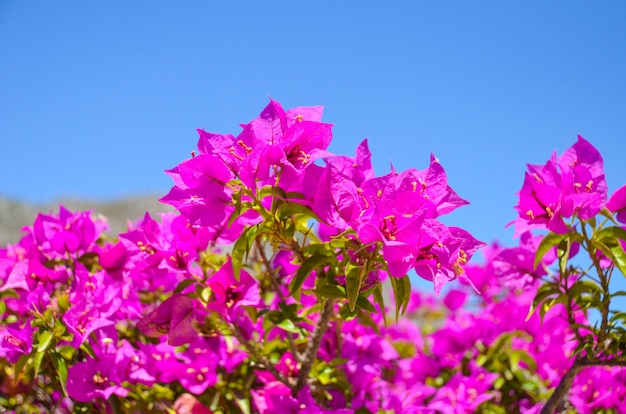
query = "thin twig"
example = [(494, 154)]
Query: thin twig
[(599, 363), (264, 362), (271, 271), (314, 345), (561, 390)]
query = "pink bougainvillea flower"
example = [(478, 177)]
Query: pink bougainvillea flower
[(198, 374), (443, 253), (161, 360), (617, 204), (514, 266), (540, 199), (228, 295), (455, 299), (174, 317), (337, 198), (16, 340), (112, 257), (585, 189), (572, 184), (275, 397), (67, 232), (93, 379), (598, 389), (432, 185), (160, 255), (188, 404), (200, 192), (464, 393), (291, 140), (401, 202)]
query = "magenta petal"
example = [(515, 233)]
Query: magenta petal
[(455, 299), (174, 317), (617, 203)]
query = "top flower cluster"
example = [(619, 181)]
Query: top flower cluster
[(570, 185), (397, 212)]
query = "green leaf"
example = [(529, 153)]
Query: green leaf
[(294, 195), (354, 280), (562, 299), (499, 343), (584, 286), (88, 349), (518, 355), (607, 213), (289, 231), (563, 253), (20, 364), (241, 249), (380, 300), (620, 258), (365, 304), (407, 295), (544, 292), (613, 232), (287, 210), (45, 339), (265, 191), (346, 314), (401, 293), (183, 285), (581, 326), (331, 291), (615, 254), (584, 293), (288, 326), (608, 242), (545, 307), (618, 317), (237, 198), (9, 293), (37, 362), (547, 243), (205, 294), (279, 192), (61, 367), (499, 383), (314, 262)]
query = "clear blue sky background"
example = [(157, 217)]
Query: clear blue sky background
[(98, 98)]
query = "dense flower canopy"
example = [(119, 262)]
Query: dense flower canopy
[(264, 292)]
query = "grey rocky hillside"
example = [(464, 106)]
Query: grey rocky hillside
[(15, 214)]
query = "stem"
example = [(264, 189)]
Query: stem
[(609, 363), (262, 360), (561, 390), (571, 318), (271, 271), (604, 284), (311, 352)]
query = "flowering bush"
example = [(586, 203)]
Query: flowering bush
[(266, 292)]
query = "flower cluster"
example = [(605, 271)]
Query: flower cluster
[(397, 211), (571, 185), (264, 293)]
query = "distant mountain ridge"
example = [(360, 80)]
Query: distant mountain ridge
[(15, 214)]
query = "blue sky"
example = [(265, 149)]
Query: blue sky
[(98, 98)]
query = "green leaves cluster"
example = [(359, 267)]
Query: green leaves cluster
[(582, 283)]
